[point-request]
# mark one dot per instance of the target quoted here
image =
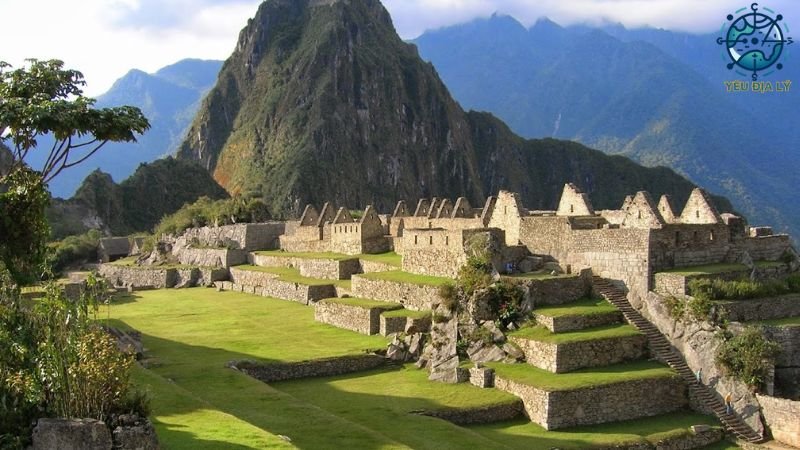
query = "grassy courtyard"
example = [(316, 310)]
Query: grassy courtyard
[(292, 275), (198, 403)]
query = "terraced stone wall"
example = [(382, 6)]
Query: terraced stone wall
[(783, 418), (269, 373), (208, 257), (570, 356), (573, 323), (412, 296), (358, 319), (600, 404)]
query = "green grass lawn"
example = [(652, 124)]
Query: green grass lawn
[(594, 376), (541, 275), (130, 261), (399, 276), (786, 321), (648, 430), (306, 255), (542, 334), (580, 307), (199, 404), (390, 258), (364, 303), (709, 269), (406, 313), (292, 275)]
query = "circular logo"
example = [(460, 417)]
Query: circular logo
[(755, 41)]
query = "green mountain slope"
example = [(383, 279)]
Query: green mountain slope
[(169, 98), (137, 204), (321, 100), (652, 95)]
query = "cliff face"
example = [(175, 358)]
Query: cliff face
[(323, 101)]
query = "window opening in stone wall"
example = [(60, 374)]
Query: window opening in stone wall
[(677, 237), (447, 240), (415, 240), (640, 214), (430, 239), (694, 235), (711, 236), (571, 209), (697, 213)]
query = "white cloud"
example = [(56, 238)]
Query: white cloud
[(106, 38), (95, 38)]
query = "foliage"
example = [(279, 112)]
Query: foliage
[(74, 249), (505, 300), (699, 308), (23, 227), (476, 274), (742, 289), (209, 212), (46, 99), (448, 292), (748, 356)]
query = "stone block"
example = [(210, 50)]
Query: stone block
[(483, 377), (71, 434)]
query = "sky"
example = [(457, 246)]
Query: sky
[(104, 39)]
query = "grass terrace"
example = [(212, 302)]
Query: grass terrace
[(292, 275), (580, 307), (583, 378), (406, 313), (542, 334), (786, 321), (399, 276), (712, 269), (540, 275), (649, 430), (364, 303), (390, 258), (130, 261)]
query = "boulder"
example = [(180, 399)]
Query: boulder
[(530, 264), (139, 436), (71, 434)]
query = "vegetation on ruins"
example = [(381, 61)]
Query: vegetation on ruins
[(747, 356), (55, 360), (206, 211), (72, 249), (743, 289)]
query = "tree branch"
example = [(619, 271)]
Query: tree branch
[(65, 165)]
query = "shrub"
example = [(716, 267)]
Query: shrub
[(75, 249), (676, 307), (738, 289), (505, 301), (449, 295), (748, 356), (439, 318), (207, 212), (793, 281), (476, 274)]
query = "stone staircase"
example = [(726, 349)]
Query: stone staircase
[(664, 351)]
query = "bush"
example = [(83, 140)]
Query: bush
[(748, 356), (505, 302), (740, 289), (75, 249), (207, 212), (476, 274), (449, 295)]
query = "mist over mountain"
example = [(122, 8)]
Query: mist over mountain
[(656, 96)]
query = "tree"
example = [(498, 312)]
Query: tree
[(46, 99)]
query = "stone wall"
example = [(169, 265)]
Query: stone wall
[(573, 323), (355, 318), (506, 216), (328, 268), (483, 415), (251, 277), (210, 257), (284, 290), (160, 278), (412, 296), (787, 364), (601, 404), (373, 266), (678, 284), (138, 276), (269, 373), (763, 308), (556, 291), (569, 356), (435, 252), (698, 345), (783, 418), (248, 237)]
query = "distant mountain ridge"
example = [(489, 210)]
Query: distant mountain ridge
[(169, 98), (322, 101), (653, 95)]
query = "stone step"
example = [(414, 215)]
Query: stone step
[(675, 360)]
